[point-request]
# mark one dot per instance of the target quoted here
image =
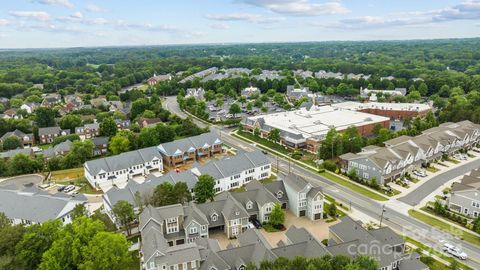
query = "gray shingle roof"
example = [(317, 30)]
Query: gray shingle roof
[(49, 130), (36, 206), (184, 145), (123, 161)]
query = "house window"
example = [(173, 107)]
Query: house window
[(204, 227), (193, 264), (268, 209), (193, 230), (184, 266)]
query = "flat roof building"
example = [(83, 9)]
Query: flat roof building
[(392, 110), (304, 129)]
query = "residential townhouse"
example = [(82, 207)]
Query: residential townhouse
[(122, 124), (148, 122), (60, 149), (104, 173), (30, 107), (11, 153), (464, 197), (303, 198), (250, 91), (48, 134), (365, 92), (253, 248), (138, 194), (100, 145), (11, 113), (234, 172), (180, 152), (26, 139), (88, 131), (200, 74), (50, 100), (158, 78), (229, 212), (405, 153), (197, 93), (33, 206), (350, 238)]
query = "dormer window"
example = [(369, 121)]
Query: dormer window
[(237, 213), (249, 205), (279, 194), (214, 217)]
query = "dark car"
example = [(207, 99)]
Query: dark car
[(256, 223), (62, 188), (264, 152)]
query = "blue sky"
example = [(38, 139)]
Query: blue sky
[(73, 23)]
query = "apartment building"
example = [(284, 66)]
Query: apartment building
[(88, 131), (180, 152), (405, 153), (104, 173)]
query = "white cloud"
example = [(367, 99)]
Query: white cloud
[(36, 15), (299, 7), (247, 17), (467, 10), (77, 15), (93, 8), (65, 3), (4, 22), (220, 26)]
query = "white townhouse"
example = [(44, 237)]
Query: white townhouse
[(303, 198), (233, 172), (33, 206), (117, 170)]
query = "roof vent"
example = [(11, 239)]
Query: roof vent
[(368, 119)]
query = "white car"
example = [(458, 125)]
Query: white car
[(420, 173), (456, 252), (251, 226), (69, 188), (460, 156)]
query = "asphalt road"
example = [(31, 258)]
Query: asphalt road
[(399, 222), (171, 104), (20, 181), (416, 196)]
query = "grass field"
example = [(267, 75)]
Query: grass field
[(67, 175), (469, 237), (354, 187)]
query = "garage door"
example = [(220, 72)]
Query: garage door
[(302, 213), (317, 216), (284, 205), (180, 241)]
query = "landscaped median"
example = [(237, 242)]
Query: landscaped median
[(443, 226), (281, 151)]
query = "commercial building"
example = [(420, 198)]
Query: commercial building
[(397, 111), (303, 129)]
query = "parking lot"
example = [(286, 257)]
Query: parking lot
[(21, 181)]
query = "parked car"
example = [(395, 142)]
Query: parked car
[(62, 188), (419, 173), (256, 223), (250, 225), (454, 251), (69, 188)]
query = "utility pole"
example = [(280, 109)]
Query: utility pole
[(381, 216)]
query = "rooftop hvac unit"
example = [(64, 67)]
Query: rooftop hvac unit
[(368, 119), (317, 122), (293, 126)]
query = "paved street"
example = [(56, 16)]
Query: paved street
[(171, 104), (416, 196), (20, 181), (392, 217)]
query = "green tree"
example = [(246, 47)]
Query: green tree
[(219, 102), (234, 109), (124, 214), (182, 193), (204, 188), (37, 239), (274, 135), (164, 194), (332, 209), (106, 251), (277, 216), (79, 154), (45, 117), (108, 127), (148, 137), (79, 211), (118, 144), (23, 164), (70, 121), (4, 221), (165, 133), (11, 142)]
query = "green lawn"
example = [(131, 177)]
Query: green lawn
[(275, 146), (135, 263), (76, 177), (354, 187), (469, 237), (432, 169), (437, 264)]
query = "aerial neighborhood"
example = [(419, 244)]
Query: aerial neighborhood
[(137, 136)]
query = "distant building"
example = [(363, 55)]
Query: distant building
[(465, 195), (158, 78), (48, 134), (392, 110), (197, 93), (250, 91), (27, 139), (297, 93), (365, 92)]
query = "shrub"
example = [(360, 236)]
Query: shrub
[(329, 165)]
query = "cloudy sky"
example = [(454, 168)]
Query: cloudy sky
[(73, 23)]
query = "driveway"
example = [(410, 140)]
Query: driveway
[(20, 181), (318, 228), (417, 195)]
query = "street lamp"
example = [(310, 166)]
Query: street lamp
[(381, 216)]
